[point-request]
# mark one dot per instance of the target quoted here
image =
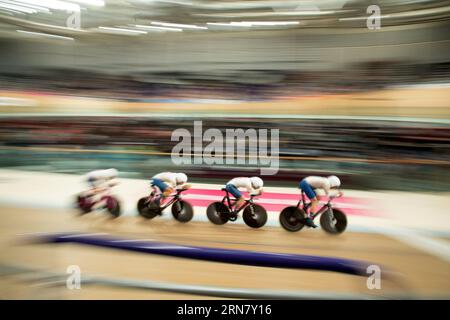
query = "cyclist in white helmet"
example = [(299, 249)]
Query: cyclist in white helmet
[(253, 185), (168, 181), (310, 184), (102, 178), (100, 182)]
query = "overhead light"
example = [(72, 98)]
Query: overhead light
[(254, 23), (9, 11), (182, 2), (407, 14), (306, 13), (229, 24), (158, 28), (96, 3), (54, 4), (45, 35), (123, 31), (353, 18), (14, 7), (241, 5), (26, 5), (268, 14), (178, 25), (241, 24), (273, 23)]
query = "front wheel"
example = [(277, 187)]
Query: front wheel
[(113, 206), (83, 204), (333, 221), (147, 209), (255, 216), (217, 213), (182, 211), (291, 219)]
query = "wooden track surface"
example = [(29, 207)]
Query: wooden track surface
[(418, 272)]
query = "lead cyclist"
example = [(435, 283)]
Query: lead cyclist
[(310, 184)]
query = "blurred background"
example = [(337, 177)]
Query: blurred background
[(371, 105), (84, 83)]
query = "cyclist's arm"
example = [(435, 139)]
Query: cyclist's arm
[(335, 193), (113, 182), (184, 186), (171, 181), (255, 192)]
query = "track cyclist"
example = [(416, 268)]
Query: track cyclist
[(100, 182), (167, 182), (310, 184), (253, 185)]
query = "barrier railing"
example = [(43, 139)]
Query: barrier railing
[(59, 279)]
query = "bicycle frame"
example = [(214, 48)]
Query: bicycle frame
[(227, 201), (305, 206), (173, 197)]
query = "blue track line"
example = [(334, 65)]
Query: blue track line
[(233, 256)]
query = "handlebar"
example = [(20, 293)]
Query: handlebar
[(252, 196), (331, 198)]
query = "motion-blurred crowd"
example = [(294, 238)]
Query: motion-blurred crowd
[(243, 85), (367, 154)]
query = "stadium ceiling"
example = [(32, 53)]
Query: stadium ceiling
[(179, 41), (144, 18)]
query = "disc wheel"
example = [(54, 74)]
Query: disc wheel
[(217, 213), (255, 216), (81, 204), (113, 207), (182, 211), (148, 210), (291, 219), (333, 221)]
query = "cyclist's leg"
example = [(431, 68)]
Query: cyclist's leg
[(310, 193), (164, 187), (95, 191), (236, 193), (157, 193), (98, 198), (92, 189)]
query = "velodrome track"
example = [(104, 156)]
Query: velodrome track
[(419, 271)]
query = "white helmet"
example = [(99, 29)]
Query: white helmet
[(334, 181), (181, 178), (110, 173), (257, 182)]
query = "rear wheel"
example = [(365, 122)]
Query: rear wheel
[(291, 219), (182, 211), (83, 204), (255, 216), (217, 213), (147, 209), (334, 221), (113, 207)]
